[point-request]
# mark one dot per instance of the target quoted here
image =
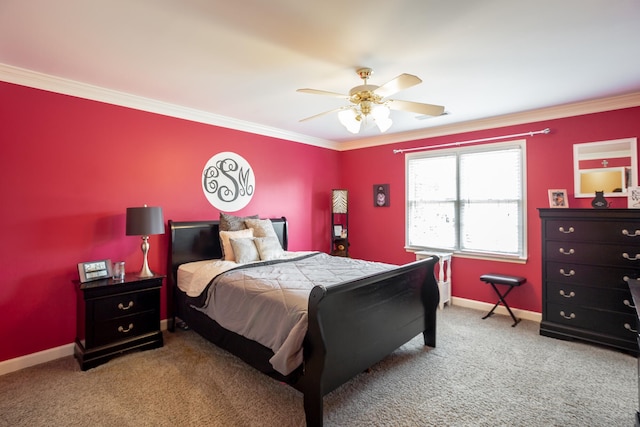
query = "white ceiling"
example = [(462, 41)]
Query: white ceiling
[(244, 59)]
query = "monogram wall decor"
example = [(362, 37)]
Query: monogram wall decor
[(228, 182)]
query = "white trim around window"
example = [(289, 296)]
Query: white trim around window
[(468, 200)]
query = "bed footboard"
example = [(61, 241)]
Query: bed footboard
[(356, 324)]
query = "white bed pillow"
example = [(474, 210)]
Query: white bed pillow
[(226, 236), (245, 250), (269, 248)]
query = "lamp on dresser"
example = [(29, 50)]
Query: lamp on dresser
[(145, 221)]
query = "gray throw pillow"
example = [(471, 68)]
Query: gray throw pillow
[(234, 223)]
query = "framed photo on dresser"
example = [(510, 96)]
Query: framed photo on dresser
[(558, 198)]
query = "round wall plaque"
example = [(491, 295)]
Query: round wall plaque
[(228, 182)]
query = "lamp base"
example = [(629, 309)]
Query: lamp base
[(145, 272)]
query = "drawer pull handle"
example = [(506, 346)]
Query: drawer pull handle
[(629, 328), (570, 230), (627, 279), (628, 303), (627, 256), (123, 330), (569, 252), (569, 274), (567, 295), (635, 233), (122, 307), (571, 316)]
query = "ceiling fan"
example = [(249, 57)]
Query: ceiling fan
[(371, 100)]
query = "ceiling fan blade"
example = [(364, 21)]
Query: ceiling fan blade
[(416, 107), (322, 114), (323, 92), (403, 81)]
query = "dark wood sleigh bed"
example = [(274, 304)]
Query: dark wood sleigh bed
[(351, 326)]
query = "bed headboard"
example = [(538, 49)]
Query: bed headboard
[(198, 240)]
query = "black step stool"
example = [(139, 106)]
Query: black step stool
[(501, 279)]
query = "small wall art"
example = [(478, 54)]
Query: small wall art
[(381, 196)]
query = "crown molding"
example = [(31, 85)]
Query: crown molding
[(64, 86), (531, 116)]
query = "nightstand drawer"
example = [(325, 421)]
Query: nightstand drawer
[(123, 328), (126, 304)]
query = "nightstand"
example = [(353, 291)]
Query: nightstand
[(116, 316)]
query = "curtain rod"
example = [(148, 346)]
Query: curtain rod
[(430, 147)]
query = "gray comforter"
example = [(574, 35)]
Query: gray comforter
[(267, 302)]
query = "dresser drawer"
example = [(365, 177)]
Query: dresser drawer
[(126, 304), (619, 325), (592, 253), (622, 232), (574, 296), (126, 327), (593, 275)]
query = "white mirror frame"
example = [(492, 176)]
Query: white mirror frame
[(608, 152)]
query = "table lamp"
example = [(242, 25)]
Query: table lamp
[(144, 222)]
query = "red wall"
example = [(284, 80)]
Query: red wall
[(379, 233), (70, 168)]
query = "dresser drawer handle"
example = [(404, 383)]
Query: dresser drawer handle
[(571, 230), (123, 330), (628, 303), (122, 307), (628, 279), (569, 274), (629, 328), (570, 252), (635, 233), (567, 295), (636, 257), (571, 316)]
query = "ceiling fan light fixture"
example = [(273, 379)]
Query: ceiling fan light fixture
[(350, 119), (381, 117)]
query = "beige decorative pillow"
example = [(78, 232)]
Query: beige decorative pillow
[(261, 227), (226, 236), (245, 250), (269, 248)]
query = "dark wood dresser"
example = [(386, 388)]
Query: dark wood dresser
[(635, 293), (117, 316), (589, 257)]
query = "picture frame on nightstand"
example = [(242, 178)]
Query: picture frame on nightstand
[(94, 270)]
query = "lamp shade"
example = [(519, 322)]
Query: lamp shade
[(339, 201), (144, 221)]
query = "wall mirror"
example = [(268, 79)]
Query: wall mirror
[(609, 166)]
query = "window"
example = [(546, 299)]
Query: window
[(468, 200)]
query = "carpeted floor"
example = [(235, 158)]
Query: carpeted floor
[(482, 373)]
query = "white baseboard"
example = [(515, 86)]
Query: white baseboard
[(44, 356), (485, 306)]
